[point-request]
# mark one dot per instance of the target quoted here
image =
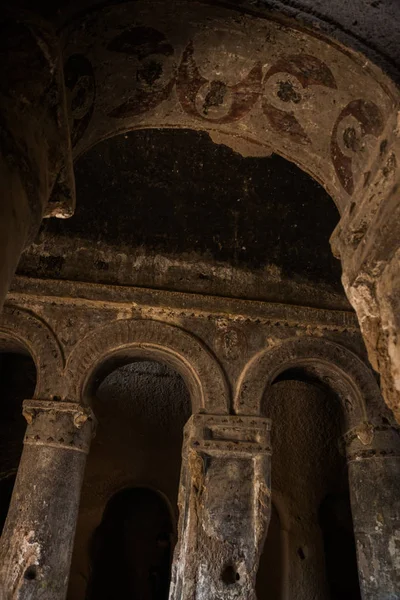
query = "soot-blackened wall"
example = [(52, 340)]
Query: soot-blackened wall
[(172, 209)]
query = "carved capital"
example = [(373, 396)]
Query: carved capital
[(64, 425), (368, 440)]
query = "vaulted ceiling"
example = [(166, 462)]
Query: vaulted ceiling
[(151, 198)]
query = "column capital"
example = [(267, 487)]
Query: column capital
[(232, 435), (368, 440), (66, 425)]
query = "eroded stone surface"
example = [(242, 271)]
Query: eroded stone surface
[(37, 539), (224, 507), (367, 241), (374, 483)]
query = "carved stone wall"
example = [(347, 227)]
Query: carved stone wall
[(209, 340), (321, 105), (231, 74), (258, 85), (228, 352)]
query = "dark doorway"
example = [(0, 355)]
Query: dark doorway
[(270, 575), (17, 383), (141, 407), (340, 548), (131, 549)]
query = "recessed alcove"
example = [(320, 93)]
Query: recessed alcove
[(131, 549), (301, 556), (131, 483)]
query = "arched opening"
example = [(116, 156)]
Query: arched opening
[(308, 468), (141, 408), (132, 548), (17, 383)]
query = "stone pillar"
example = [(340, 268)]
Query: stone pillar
[(38, 536), (367, 241), (225, 505), (35, 149), (373, 454)]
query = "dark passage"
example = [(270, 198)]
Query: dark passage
[(131, 549), (340, 548), (270, 575), (17, 383)]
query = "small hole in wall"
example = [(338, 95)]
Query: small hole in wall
[(229, 575), (30, 573), (301, 554)]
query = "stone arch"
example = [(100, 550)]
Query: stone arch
[(326, 361), (131, 339), (33, 334), (255, 84), (258, 83)]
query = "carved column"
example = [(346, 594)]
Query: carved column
[(225, 504), (373, 454), (35, 154), (37, 540)]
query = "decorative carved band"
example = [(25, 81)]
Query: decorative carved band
[(62, 425)]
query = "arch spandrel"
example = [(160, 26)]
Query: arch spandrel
[(36, 336), (336, 366), (249, 81), (135, 339)]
